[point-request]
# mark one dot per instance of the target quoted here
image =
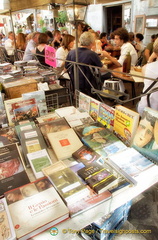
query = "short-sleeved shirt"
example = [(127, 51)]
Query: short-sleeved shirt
[(150, 48), (125, 48), (9, 47), (28, 51)]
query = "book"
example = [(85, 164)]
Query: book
[(146, 138), (7, 229), (86, 155), (53, 126), (130, 163), (84, 102), (48, 117), (125, 124), (3, 114), (8, 136), (64, 143), (87, 129), (78, 119), (26, 109), (39, 99), (66, 111), (8, 106), (23, 126), (97, 177), (94, 108), (39, 160), (35, 207), (12, 171), (106, 116), (54, 168), (68, 185)]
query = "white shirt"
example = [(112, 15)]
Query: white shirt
[(62, 54), (150, 72), (125, 48), (28, 51), (9, 47)]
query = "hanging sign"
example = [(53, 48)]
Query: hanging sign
[(50, 56)]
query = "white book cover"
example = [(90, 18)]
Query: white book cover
[(39, 160), (64, 143), (48, 117), (78, 119), (65, 111), (84, 102)]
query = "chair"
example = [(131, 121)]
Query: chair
[(19, 55)]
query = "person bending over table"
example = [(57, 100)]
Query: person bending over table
[(122, 39)]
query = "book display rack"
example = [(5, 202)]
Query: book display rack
[(77, 157)]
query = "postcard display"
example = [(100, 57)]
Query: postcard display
[(87, 128)]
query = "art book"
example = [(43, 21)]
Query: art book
[(65, 111), (100, 139), (26, 109), (64, 143), (6, 225), (48, 117), (146, 137), (84, 102), (39, 160), (106, 116), (12, 171), (8, 106), (86, 155), (39, 99), (94, 108), (8, 136), (53, 126), (79, 119), (130, 163), (3, 114), (68, 184), (35, 207), (125, 124)]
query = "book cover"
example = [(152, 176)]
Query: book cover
[(3, 114), (39, 160), (48, 117), (94, 108), (26, 109), (35, 207), (12, 172), (106, 116), (78, 119), (64, 143), (100, 139), (84, 102), (130, 163), (8, 136), (86, 155), (53, 126), (146, 138), (39, 99), (68, 184), (8, 106), (54, 168), (125, 124), (65, 111), (23, 126), (6, 225)]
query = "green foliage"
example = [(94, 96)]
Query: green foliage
[(41, 22), (43, 29), (62, 17)]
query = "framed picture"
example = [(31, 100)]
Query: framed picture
[(139, 23)]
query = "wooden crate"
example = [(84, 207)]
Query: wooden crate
[(17, 88)]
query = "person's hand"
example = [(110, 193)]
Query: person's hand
[(106, 54)]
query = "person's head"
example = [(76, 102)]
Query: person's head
[(103, 36), (87, 39), (121, 36), (57, 34), (49, 34), (11, 35), (20, 39), (139, 37), (43, 38), (35, 37), (43, 184), (145, 130), (153, 37), (68, 41), (14, 196), (131, 36), (96, 35)]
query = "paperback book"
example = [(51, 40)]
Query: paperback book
[(79, 119), (55, 167), (3, 114), (106, 116), (24, 126), (66, 111), (48, 117), (35, 207), (12, 171), (8, 106), (84, 102), (94, 108), (8, 136)]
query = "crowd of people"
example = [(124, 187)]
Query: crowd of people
[(92, 47)]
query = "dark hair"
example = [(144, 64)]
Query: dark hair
[(67, 39), (49, 34), (131, 36), (43, 38), (140, 36), (122, 33), (103, 34)]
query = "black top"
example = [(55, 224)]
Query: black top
[(41, 59)]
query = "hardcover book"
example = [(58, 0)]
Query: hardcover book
[(78, 119), (106, 116), (55, 167), (39, 99), (68, 184), (25, 109), (64, 143), (53, 126), (12, 172), (146, 137), (39, 160), (7, 230), (23, 126), (35, 207), (48, 117), (125, 124), (8, 136), (94, 108), (8, 106)]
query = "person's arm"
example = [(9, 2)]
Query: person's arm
[(152, 57), (112, 59)]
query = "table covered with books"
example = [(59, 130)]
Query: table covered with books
[(78, 164)]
